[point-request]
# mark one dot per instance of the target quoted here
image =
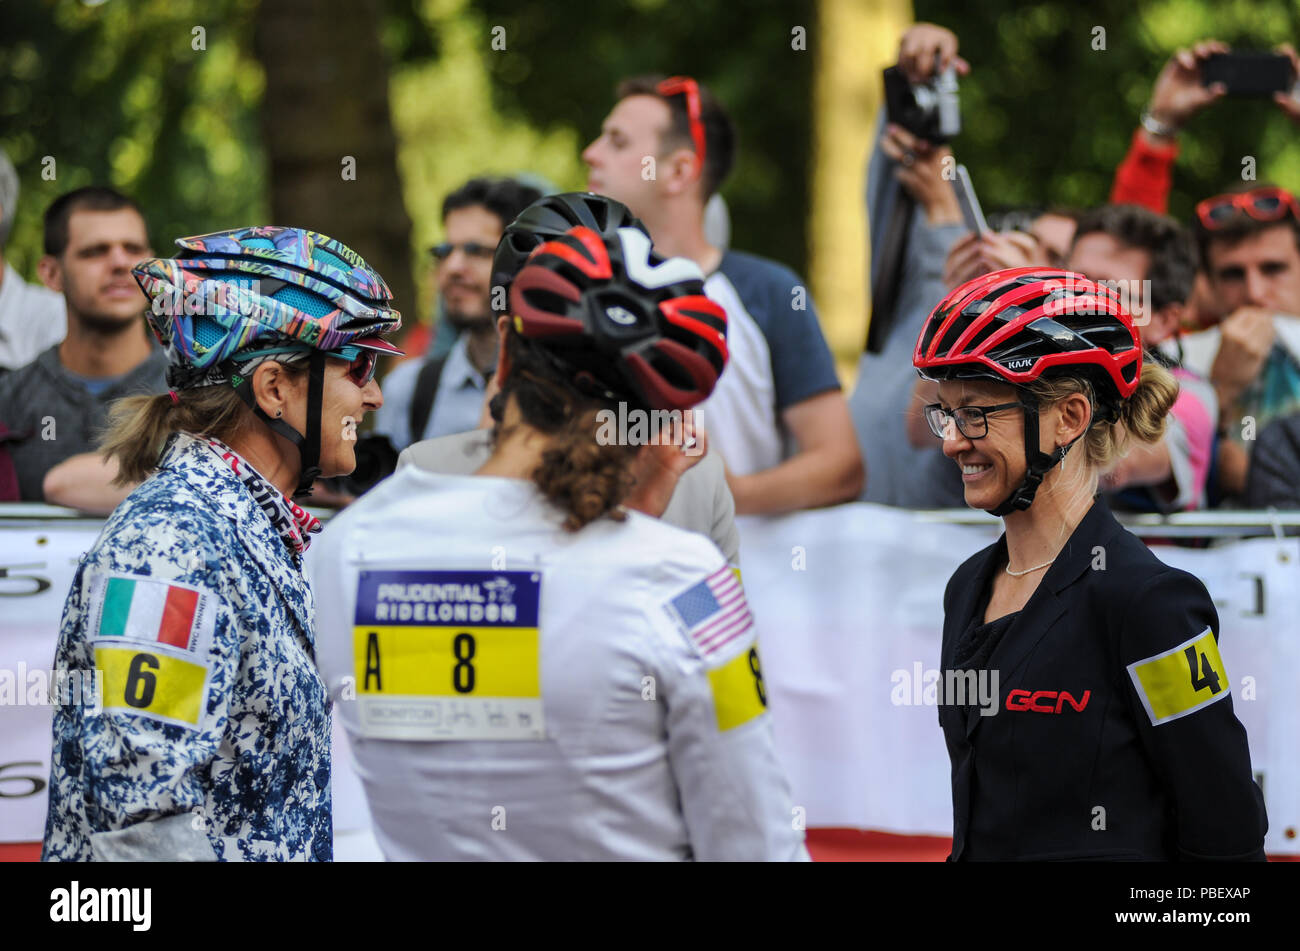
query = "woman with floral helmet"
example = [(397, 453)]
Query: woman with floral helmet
[(209, 737)]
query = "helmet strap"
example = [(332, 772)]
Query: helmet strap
[(310, 453), (309, 445), (1038, 463)]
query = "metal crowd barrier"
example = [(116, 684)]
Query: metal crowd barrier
[(1213, 524)]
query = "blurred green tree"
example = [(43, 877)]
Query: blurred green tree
[(157, 98), (125, 93), (1047, 117), (448, 128), (561, 63), (328, 131)]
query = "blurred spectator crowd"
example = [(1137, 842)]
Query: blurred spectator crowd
[(1217, 300)]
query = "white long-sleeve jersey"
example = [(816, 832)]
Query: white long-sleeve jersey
[(513, 691)]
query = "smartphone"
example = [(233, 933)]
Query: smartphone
[(1249, 73), (970, 205)]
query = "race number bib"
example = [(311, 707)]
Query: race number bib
[(448, 655)]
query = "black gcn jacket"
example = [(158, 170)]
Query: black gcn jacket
[(1031, 783)]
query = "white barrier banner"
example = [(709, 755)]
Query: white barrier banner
[(849, 606), (36, 569)]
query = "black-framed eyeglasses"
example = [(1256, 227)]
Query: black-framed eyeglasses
[(972, 421), (471, 248)]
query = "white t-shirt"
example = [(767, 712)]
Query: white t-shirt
[(778, 358), (742, 407), (513, 691), (32, 319)]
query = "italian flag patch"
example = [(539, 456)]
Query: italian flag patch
[(152, 611)]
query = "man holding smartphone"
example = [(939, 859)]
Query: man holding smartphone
[(1250, 269)]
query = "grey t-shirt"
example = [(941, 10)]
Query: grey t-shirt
[(50, 416), (702, 501)]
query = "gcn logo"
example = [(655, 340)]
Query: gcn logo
[(1040, 701)]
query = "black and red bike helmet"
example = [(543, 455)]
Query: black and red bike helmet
[(551, 216), (1028, 323), (624, 322)]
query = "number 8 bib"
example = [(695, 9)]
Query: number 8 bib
[(448, 655)]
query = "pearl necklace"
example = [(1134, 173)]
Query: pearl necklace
[(1018, 574)]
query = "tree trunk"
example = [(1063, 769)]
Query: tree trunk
[(329, 132), (855, 40)]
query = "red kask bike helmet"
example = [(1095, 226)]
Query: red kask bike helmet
[(1028, 323), (623, 322)]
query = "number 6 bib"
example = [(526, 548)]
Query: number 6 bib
[(448, 655)]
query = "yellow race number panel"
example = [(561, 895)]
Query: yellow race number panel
[(739, 694), (1181, 680), (153, 684), (448, 655)]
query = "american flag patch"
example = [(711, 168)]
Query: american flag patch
[(713, 613)]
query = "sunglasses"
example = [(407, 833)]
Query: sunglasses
[(689, 88), (471, 248), (972, 421), (361, 363), (1263, 204)]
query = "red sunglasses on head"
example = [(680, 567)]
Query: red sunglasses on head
[(688, 87), (1269, 203)]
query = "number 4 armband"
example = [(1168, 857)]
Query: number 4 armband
[(1181, 680)]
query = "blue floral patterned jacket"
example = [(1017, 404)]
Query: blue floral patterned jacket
[(210, 736)]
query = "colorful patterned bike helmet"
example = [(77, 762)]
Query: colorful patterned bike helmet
[(232, 298), (1028, 323), (625, 322)]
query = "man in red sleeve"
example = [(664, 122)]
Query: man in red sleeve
[(1146, 174)]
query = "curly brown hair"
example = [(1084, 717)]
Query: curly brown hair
[(583, 478)]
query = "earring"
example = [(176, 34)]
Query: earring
[(279, 413)]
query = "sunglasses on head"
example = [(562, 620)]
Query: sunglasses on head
[(471, 248), (689, 88), (1263, 204)]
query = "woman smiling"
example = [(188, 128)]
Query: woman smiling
[(1115, 736)]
